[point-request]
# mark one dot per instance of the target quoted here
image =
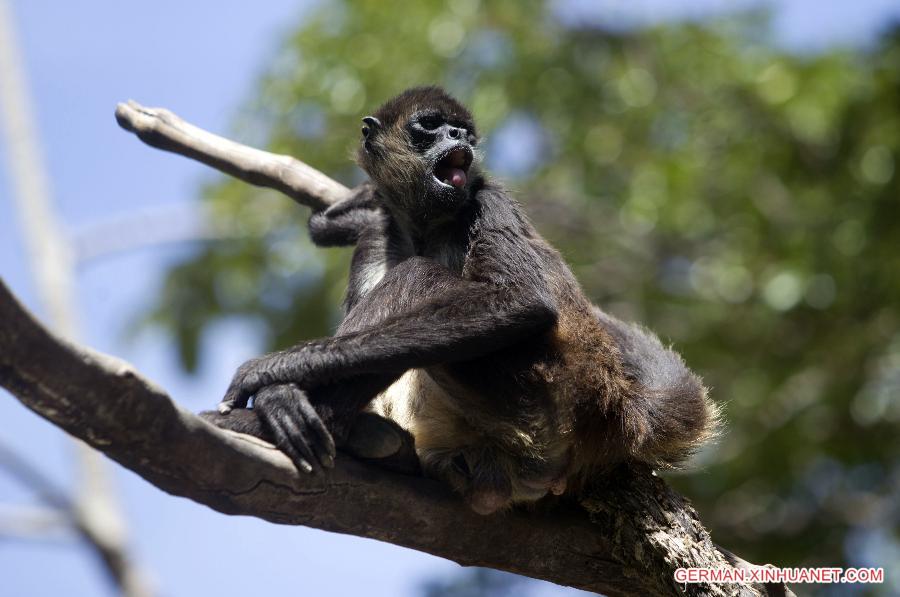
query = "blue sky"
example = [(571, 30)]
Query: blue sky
[(201, 59)]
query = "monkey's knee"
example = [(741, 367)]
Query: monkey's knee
[(678, 421), (382, 441)]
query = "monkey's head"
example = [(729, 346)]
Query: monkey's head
[(493, 464), (419, 148)]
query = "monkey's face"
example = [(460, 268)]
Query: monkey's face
[(419, 149), (494, 468), (491, 479), (445, 144)]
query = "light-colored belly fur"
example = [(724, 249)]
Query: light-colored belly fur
[(404, 401), (418, 404)]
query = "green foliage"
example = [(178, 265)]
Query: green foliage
[(742, 202)]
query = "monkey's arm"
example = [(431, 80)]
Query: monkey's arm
[(464, 320), (343, 223), (418, 316)]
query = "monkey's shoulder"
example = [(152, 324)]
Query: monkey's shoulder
[(494, 208)]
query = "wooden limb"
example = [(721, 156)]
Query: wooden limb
[(35, 523), (164, 130), (627, 536), (100, 535)]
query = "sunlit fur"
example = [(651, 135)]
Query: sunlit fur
[(595, 391), (466, 328)]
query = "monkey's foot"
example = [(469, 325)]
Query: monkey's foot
[(384, 442)]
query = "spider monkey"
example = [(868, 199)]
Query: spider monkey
[(467, 330)]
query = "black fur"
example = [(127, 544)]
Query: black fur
[(515, 385)]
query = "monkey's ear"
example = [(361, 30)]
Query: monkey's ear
[(371, 124)]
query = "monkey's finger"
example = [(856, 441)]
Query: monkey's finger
[(316, 434), (283, 441), (279, 405), (295, 457), (247, 381), (324, 442), (298, 437), (229, 403), (233, 399)]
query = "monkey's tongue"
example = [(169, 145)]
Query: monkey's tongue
[(452, 168), (451, 175), (457, 177)]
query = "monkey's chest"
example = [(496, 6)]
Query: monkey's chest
[(383, 256)]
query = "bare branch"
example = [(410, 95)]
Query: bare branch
[(28, 475), (35, 523), (626, 538), (164, 130), (95, 522), (52, 265)]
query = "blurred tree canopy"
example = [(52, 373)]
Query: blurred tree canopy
[(741, 201)]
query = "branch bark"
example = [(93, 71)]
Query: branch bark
[(93, 509), (626, 536), (164, 130)]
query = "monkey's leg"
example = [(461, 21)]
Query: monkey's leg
[(665, 385)]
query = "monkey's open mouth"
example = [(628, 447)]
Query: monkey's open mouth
[(453, 168)]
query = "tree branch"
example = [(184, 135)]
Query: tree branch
[(627, 535), (627, 538), (93, 509), (164, 130), (102, 535)]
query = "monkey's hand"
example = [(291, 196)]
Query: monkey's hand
[(283, 408), (370, 437), (246, 381), (343, 223), (255, 374), (295, 426)]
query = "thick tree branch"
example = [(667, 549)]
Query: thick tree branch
[(626, 538), (164, 130)]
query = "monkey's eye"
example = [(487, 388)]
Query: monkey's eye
[(365, 131), (461, 465), (430, 121)]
